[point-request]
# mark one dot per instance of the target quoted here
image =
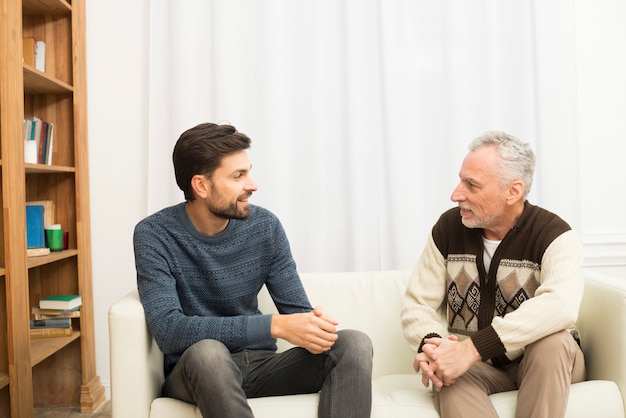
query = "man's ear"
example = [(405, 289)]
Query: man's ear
[(516, 192), (199, 184)]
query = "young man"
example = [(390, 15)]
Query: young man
[(508, 274), (200, 265)]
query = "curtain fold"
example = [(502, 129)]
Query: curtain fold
[(360, 111)]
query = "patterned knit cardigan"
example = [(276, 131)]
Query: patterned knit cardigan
[(533, 289)]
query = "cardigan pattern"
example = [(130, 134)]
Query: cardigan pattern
[(533, 287)]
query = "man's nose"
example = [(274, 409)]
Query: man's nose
[(458, 194), (251, 185)]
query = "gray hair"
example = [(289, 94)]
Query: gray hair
[(517, 160)]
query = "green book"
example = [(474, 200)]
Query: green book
[(61, 302)]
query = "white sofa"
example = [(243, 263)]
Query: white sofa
[(371, 302)]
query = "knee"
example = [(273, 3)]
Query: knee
[(553, 343), (559, 346), (205, 353), (207, 366), (355, 343)]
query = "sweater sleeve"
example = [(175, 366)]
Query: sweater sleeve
[(425, 297), (556, 302), (283, 281)]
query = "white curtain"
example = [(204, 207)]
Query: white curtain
[(360, 111)]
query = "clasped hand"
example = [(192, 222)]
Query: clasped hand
[(312, 331), (443, 360)]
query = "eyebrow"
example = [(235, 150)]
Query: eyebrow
[(241, 170), (470, 180)]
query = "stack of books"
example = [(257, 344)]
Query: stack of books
[(53, 316), (38, 140)]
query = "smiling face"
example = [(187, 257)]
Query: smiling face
[(230, 186), (484, 201), (223, 196)]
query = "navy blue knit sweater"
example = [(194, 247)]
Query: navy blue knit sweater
[(193, 286)]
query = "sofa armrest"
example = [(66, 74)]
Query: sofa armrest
[(136, 361), (602, 325)]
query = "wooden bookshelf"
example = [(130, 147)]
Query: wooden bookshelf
[(57, 371), (4, 379)]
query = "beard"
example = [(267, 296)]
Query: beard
[(230, 212), (482, 221), (219, 207), (473, 223)]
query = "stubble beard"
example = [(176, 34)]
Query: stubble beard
[(230, 210), (482, 223)]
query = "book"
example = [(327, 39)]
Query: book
[(29, 46), (50, 142), (38, 313), (51, 323), (40, 56), (48, 211), (31, 145), (37, 310), (35, 236), (36, 134), (30, 152), (41, 145), (50, 332), (37, 252), (61, 302), (28, 125)]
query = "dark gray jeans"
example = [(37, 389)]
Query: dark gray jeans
[(219, 382)]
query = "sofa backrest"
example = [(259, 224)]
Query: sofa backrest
[(366, 301)]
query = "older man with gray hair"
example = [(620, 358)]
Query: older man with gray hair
[(492, 302)]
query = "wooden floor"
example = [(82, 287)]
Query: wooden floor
[(104, 412)]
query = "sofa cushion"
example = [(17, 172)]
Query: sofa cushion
[(403, 396), (408, 398), (300, 406)]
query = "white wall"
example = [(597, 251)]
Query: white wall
[(601, 67), (117, 76)]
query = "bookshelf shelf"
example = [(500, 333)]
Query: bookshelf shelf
[(51, 7), (42, 348), (36, 82), (54, 371), (49, 169), (51, 258)]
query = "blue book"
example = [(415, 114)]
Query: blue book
[(35, 235), (51, 323)]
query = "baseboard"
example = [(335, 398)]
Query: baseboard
[(107, 389)]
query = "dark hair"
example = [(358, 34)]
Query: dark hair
[(200, 150)]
